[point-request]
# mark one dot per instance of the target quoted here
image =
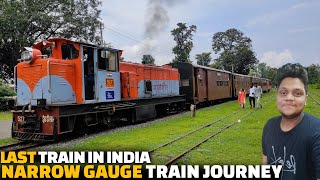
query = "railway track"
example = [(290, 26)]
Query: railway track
[(7, 146), (314, 100), (176, 158), (19, 146), (191, 132), (315, 94)]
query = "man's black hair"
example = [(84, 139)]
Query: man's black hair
[(292, 70)]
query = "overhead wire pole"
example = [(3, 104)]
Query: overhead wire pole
[(101, 36)]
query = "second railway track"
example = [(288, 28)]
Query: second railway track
[(216, 132)]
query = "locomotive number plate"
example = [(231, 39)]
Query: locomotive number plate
[(20, 119), (109, 83), (47, 118)]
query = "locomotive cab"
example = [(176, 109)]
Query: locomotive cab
[(59, 71), (101, 75)]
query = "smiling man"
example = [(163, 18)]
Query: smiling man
[(292, 139)]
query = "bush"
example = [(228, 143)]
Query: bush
[(5, 93), (5, 90)]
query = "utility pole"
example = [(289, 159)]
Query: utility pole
[(101, 36)]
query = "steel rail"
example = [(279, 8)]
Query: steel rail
[(173, 160)]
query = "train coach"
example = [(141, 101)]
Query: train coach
[(65, 86), (204, 85)]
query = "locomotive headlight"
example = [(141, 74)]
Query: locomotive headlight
[(29, 54), (26, 56)]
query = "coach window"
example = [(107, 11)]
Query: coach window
[(185, 82), (148, 86), (69, 51)]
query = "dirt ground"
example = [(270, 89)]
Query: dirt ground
[(5, 129)]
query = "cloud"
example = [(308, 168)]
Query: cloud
[(134, 53), (275, 26), (279, 15), (304, 29), (274, 59)]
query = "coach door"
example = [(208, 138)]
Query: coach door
[(89, 59)]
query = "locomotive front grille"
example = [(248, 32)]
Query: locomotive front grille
[(29, 136)]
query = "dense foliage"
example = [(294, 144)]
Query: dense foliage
[(148, 59), (183, 37), (235, 51), (24, 22), (204, 58)]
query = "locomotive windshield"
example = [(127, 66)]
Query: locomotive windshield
[(47, 51), (69, 51), (107, 60)]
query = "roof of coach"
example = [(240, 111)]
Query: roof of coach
[(241, 75), (166, 66), (209, 68)]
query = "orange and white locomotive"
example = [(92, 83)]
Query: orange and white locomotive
[(64, 86)]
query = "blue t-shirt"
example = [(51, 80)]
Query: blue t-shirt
[(298, 150)]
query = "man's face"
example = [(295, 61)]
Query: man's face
[(291, 97), (255, 85)]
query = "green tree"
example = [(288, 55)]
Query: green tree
[(24, 22), (313, 73), (263, 69), (229, 40), (235, 51), (271, 74), (5, 90), (241, 61), (148, 59), (183, 37), (204, 58), (255, 72), (259, 70)]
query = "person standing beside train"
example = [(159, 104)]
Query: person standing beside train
[(252, 100), (293, 139), (242, 98), (258, 94)]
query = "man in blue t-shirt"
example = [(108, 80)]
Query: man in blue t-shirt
[(293, 139)]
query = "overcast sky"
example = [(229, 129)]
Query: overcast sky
[(281, 31)]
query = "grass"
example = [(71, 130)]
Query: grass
[(7, 141), (239, 144), (5, 115)]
